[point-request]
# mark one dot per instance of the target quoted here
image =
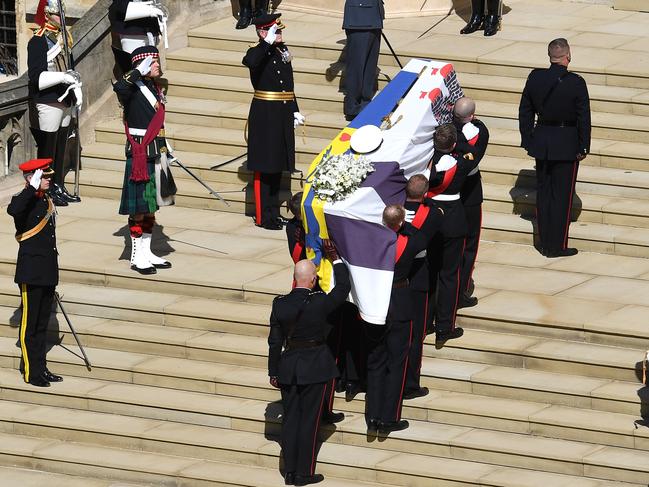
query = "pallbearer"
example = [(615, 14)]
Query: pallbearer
[(37, 268), (273, 116), (148, 183)]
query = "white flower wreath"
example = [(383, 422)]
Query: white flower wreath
[(339, 176)]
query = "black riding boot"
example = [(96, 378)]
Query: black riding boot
[(245, 14), (491, 24), (46, 149), (261, 7), (477, 17), (63, 161)]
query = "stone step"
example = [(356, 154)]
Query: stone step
[(53, 456), (452, 443), (26, 477), (230, 90), (495, 348), (628, 156), (521, 200), (208, 140), (586, 236), (513, 57), (352, 464), (609, 99), (501, 170), (251, 382), (439, 407)]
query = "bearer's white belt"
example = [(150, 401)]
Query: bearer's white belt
[(142, 132), (447, 197)]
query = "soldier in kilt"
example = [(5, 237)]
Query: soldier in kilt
[(148, 183)]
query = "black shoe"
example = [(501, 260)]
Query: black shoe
[(308, 479), (561, 253), (373, 426), (52, 377), (475, 23), (245, 17), (146, 271), (57, 197), (351, 391), (289, 478), (421, 392), (440, 338), (390, 426), (39, 381), (466, 301), (332, 418), (272, 225), (349, 118), (491, 25), (69, 197)]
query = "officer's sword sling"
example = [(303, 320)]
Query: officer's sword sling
[(200, 181), (75, 109), (74, 333), (389, 47)]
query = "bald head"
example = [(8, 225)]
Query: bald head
[(464, 109), (416, 187), (393, 216), (305, 274), (559, 51)]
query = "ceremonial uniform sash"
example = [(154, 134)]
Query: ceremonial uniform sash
[(448, 164), (402, 242), (21, 237)]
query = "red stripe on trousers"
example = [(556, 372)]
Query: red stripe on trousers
[(457, 290), (317, 427), (423, 337), (403, 381), (468, 283), (572, 192), (257, 191)]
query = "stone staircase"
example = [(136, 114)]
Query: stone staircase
[(541, 391)]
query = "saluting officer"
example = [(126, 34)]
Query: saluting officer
[(37, 268), (300, 362), (472, 138), (559, 140), (272, 119), (363, 22)]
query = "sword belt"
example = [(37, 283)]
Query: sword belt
[(274, 95)]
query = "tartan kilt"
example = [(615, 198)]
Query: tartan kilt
[(138, 197)]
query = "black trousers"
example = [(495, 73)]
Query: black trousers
[(419, 325), (266, 194), (387, 360), (555, 187), (36, 309), (445, 261), (474, 224), (478, 6), (303, 406), (361, 61)]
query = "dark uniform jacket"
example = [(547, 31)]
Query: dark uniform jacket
[(116, 14), (138, 111), (454, 220), (37, 48), (271, 137), (363, 14), (401, 304), (569, 103), (471, 192), (37, 262), (418, 275), (310, 365)]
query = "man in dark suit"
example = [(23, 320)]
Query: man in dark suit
[(559, 140), (472, 138), (362, 22), (37, 268), (300, 362)]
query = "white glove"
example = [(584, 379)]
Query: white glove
[(271, 36), (157, 12), (71, 77), (298, 119), (78, 95), (35, 181), (145, 66), (48, 79)]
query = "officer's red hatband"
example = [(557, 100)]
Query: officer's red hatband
[(143, 53), (35, 164)]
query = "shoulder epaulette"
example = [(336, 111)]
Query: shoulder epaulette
[(316, 292), (39, 32)]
